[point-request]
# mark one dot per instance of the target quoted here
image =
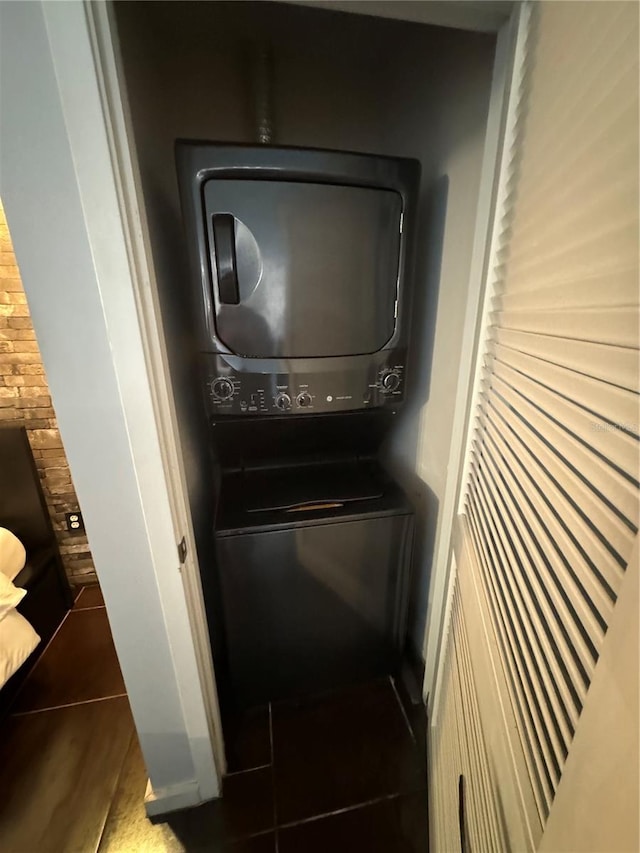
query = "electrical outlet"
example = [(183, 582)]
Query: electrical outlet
[(75, 522)]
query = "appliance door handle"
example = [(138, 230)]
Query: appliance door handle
[(462, 816), (224, 241)]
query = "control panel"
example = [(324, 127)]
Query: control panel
[(364, 382)]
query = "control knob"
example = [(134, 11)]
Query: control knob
[(304, 400), (390, 381), (222, 389), (283, 402)]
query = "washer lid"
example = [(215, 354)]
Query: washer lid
[(309, 488)]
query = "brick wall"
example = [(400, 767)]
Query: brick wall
[(24, 399)]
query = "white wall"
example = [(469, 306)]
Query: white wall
[(345, 82), (58, 189), (445, 128)]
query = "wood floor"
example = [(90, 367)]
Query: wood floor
[(63, 747), (333, 774)]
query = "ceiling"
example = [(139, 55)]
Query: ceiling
[(480, 15)]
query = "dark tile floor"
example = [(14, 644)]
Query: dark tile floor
[(88, 597), (336, 752), (340, 772), (80, 665), (63, 745)]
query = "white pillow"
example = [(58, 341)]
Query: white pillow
[(17, 641), (12, 554), (10, 596)]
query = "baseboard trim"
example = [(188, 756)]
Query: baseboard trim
[(164, 800)]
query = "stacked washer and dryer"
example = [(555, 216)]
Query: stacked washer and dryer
[(301, 290)]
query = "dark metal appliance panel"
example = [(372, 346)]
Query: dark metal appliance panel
[(308, 270), (314, 607)]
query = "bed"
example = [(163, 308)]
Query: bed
[(30, 562)]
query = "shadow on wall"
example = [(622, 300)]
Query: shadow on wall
[(402, 456), (426, 505), (431, 222)]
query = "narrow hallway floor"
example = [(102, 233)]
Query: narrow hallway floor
[(336, 773)]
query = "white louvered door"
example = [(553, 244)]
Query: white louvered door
[(466, 817), (550, 508)]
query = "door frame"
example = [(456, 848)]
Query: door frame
[(116, 113), (491, 207), (106, 53), (61, 189), (118, 127)]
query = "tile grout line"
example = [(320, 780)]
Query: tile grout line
[(365, 804), (270, 734), (247, 770), (45, 650), (273, 780), (240, 838), (92, 607), (68, 705), (42, 654), (402, 710)]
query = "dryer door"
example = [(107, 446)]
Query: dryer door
[(302, 270)]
